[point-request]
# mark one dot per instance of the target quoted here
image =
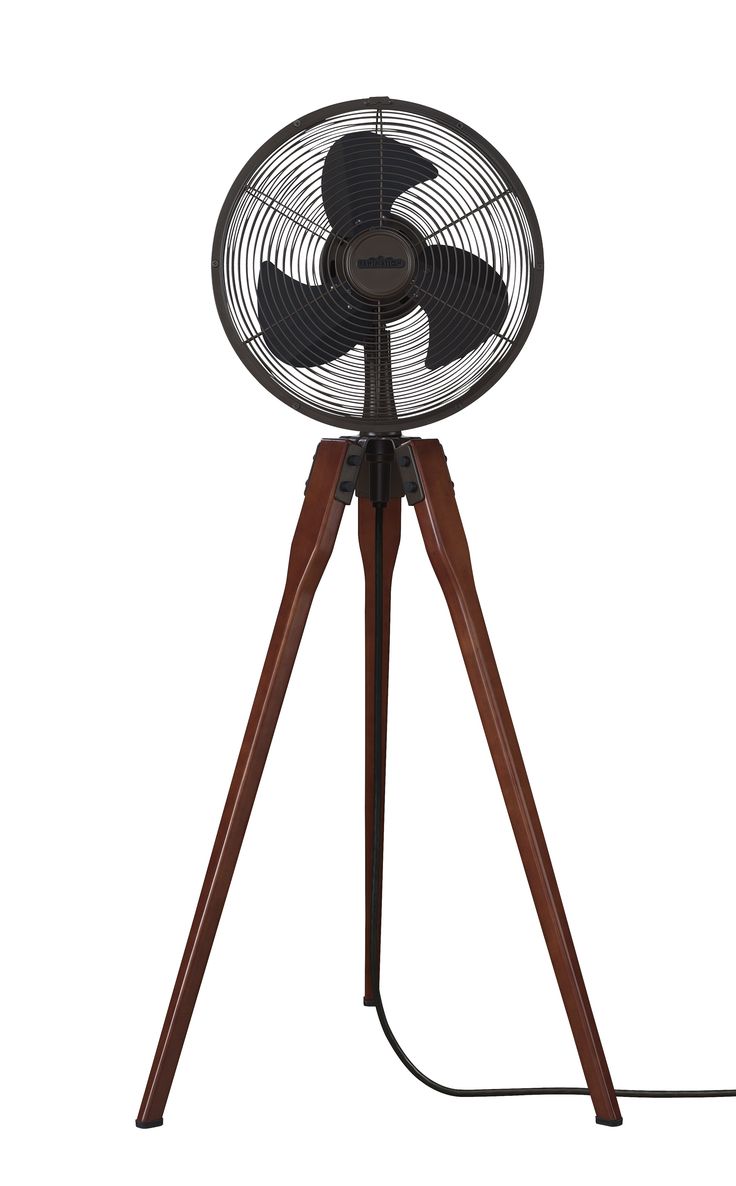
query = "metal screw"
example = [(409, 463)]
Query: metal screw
[(297, 123), (354, 459), (411, 487), (404, 461), (346, 486), (215, 263)]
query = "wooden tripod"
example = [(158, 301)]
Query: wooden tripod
[(423, 476)]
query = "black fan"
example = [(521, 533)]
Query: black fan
[(377, 265)]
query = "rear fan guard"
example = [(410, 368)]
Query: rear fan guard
[(281, 280)]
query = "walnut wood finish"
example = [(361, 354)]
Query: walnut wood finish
[(313, 542), (447, 547), (366, 539)]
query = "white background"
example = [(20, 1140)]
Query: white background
[(149, 494)]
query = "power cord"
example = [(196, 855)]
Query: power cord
[(376, 861)]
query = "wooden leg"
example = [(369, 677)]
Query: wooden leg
[(447, 547), (313, 542), (366, 538)]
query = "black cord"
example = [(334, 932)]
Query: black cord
[(376, 861)]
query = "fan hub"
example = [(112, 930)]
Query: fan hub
[(380, 264)]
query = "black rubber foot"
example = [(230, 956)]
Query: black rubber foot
[(609, 1123), (368, 1001), (149, 1123)]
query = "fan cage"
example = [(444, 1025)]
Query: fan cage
[(274, 213)]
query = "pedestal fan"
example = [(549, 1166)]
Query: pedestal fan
[(377, 265)]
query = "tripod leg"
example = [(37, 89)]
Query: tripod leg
[(311, 548), (445, 541), (366, 539)]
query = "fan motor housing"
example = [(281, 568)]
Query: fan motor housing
[(380, 264)]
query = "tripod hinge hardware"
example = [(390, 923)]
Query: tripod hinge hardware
[(410, 480), (348, 479)]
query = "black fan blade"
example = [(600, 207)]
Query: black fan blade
[(305, 325), (464, 298), (363, 174)]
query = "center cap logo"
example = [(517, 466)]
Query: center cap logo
[(381, 261), (380, 264)]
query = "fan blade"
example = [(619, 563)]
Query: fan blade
[(464, 298), (305, 325), (363, 174)]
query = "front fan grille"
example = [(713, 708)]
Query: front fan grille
[(387, 370)]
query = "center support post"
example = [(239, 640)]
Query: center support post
[(379, 534)]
